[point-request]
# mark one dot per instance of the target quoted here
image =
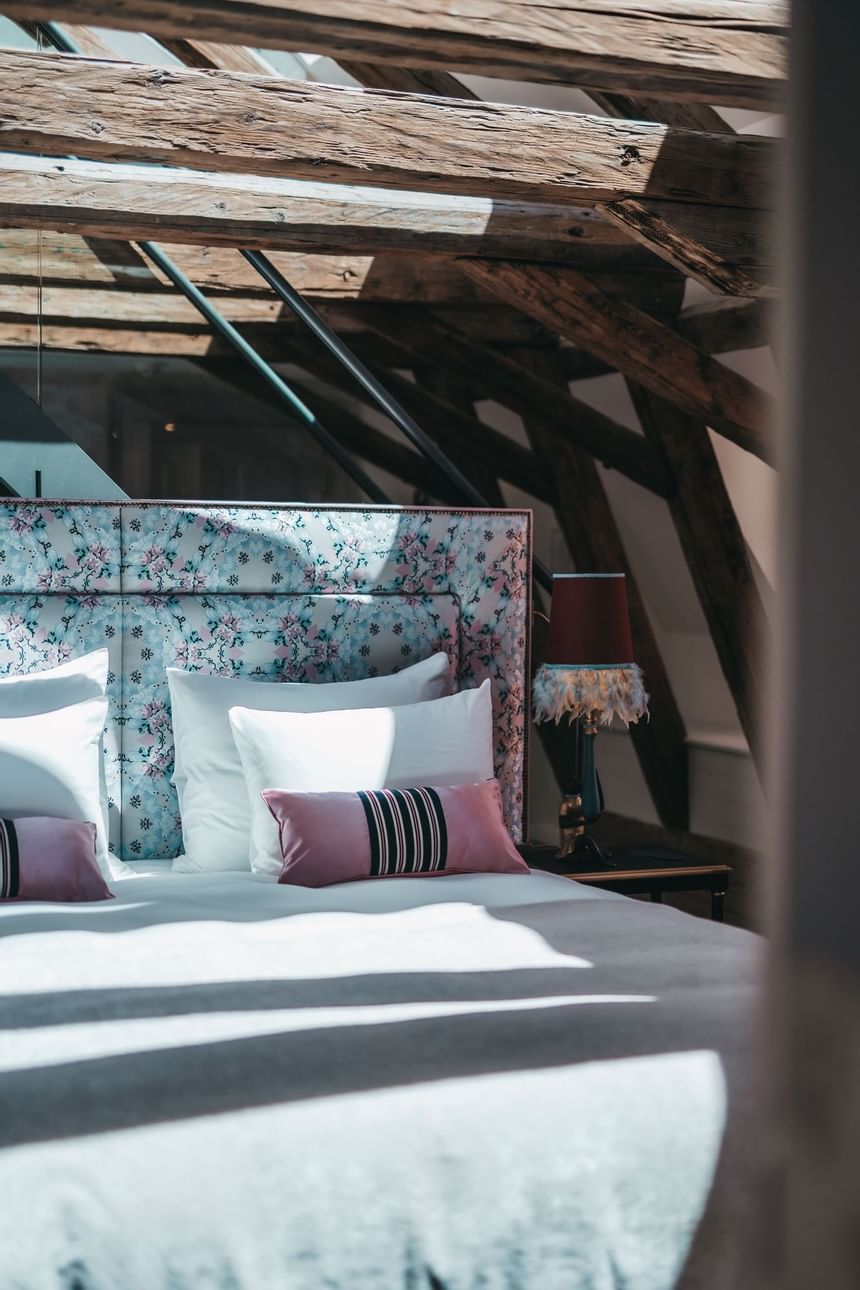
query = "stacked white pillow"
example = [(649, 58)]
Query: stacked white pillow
[(51, 764), (439, 743), (209, 779)]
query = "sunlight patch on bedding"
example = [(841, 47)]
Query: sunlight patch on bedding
[(614, 1157), (24, 1049), (319, 946)]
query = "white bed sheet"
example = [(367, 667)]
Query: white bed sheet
[(217, 1082)]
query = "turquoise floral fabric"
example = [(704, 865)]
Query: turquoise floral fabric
[(51, 548), (291, 593)]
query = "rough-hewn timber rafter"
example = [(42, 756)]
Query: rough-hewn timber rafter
[(730, 251), (271, 126), (448, 424), (639, 346), (493, 375), (686, 116), (101, 199), (733, 255), (721, 326), (484, 473), (713, 51), (717, 327), (64, 259), (716, 554), (128, 293), (76, 335)]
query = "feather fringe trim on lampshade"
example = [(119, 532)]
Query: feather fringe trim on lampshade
[(580, 691)]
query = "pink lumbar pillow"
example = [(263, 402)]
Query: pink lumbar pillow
[(392, 833), (43, 858)]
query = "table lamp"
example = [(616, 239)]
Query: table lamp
[(589, 676)]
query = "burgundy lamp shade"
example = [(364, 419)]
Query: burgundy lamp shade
[(589, 625)]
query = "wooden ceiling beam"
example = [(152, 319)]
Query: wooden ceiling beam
[(717, 327), (716, 555), (642, 348), (97, 110), (727, 250), (723, 326), (209, 53), (449, 425), (503, 328), (102, 199), (66, 260), (126, 293), (483, 474), (491, 374), (733, 255), (730, 251), (710, 51), (638, 107)]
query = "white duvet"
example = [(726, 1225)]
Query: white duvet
[(461, 1082)]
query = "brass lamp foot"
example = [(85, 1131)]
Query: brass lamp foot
[(573, 839)]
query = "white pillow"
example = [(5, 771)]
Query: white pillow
[(213, 800), (58, 687), (49, 765), (444, 742)]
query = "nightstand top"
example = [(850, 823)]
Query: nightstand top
[(630, 863)]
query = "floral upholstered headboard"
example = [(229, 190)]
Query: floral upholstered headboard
[(293, 593)]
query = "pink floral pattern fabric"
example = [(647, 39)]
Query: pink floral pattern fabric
[(303, 593)]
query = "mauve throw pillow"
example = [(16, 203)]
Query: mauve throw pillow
[(392, 833), (44, 858)]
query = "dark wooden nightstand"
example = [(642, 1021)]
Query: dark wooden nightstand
[(639, 870)]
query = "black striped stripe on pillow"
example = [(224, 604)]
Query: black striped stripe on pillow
[(8, 860), (407, 830)]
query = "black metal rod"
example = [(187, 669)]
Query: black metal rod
[(55, 36), (288, 396), (384, 400), (365, 378)]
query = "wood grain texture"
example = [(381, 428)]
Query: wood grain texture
[(450, 426), (718, 327), (728, 250), (733, 256), (595, 543), (75, 273), (484, 473), (101, 199), (352, 318), (317, 277), (61, 259), (639, 346), (490, 374), (716, 555), (209, 53), (711, 51), (271, 126), (721, 326), (686, 116)]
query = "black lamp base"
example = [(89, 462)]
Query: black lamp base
[(573, 839)]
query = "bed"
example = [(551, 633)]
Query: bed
[(215, 1080)]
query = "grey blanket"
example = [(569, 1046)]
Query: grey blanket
[(217, 1085)]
